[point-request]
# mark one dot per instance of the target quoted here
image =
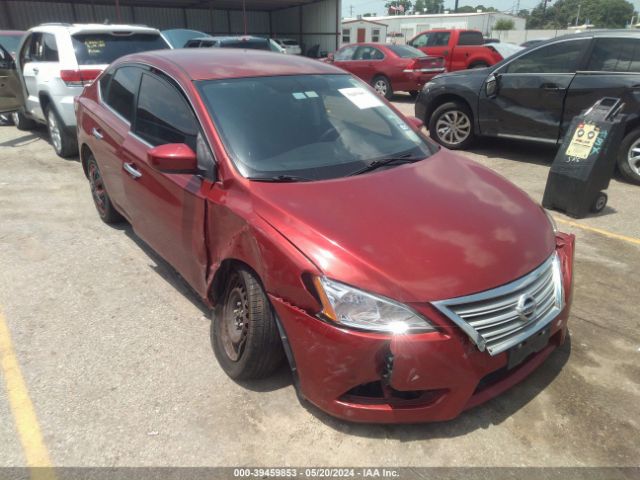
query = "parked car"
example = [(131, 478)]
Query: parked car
[(535, 94), (388, 68), (290, 46), (461, 49), (10, 39), (243, 41), (178, 37), (266, 180), (56, 61)]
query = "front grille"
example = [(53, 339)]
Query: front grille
[(503, 317)]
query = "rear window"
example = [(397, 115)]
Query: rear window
[(254, 44), (405, 51), (104, 48)]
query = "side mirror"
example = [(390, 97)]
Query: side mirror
[(492, 85), (173, 158), (331, 57), (416, 122)]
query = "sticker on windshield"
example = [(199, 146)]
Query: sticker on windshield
[(311, 94), (361, 98), (299, 95)]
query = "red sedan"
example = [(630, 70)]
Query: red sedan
[(401, 282), (388, 68)]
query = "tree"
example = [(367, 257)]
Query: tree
[(564, 13), (419, 6), (405, 4), (434, 6), (504, 24)]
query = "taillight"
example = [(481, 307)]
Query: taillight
[(425, 64), (79, 77)]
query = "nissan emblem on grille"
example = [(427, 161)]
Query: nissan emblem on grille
[(526, 307), (501, 318)]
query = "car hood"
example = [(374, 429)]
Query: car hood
[(439, 228)]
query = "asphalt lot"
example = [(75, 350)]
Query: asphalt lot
[(117, 362)]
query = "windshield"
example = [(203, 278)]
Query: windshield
[(310, 126), (179, 37), (405, 51), (10, 42), (104, 48)]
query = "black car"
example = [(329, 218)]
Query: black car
[(534, 94)]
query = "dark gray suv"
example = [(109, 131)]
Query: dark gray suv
[(534, 94)]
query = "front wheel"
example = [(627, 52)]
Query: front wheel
[(22, 122), (64, 144), (382, 86), (629, 157), (244, 332), (451, 125)]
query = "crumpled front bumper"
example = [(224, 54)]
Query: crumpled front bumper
[(370, 377)]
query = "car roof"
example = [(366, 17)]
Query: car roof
[(73, 28), (598, 34), (222, 63)]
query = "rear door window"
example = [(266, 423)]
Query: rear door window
[(470, 38), (103, 48), (163, 115), (562, 57), (122, 91), (615, 55)]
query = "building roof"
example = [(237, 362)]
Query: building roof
[(435, 15), (223, 63), (364, 20)]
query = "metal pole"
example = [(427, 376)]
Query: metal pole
[(244, 16), (118, 11), (578, 16)]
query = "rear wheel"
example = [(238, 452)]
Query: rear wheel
[(21, 122), (101, 199), (451, 125), (64, 144), (244, 331), (629, 156), (382, 86)]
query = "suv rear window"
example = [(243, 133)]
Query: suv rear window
[(104, 48), (254, 44)]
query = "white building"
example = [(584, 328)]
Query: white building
[(405, 27), (363, 30)]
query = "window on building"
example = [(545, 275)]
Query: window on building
[(375, 35), (346, 35)]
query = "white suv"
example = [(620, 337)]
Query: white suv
[(55, 62)]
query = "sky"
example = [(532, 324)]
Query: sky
[(364, 6)]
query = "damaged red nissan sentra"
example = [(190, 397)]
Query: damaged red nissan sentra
[(402, 282)]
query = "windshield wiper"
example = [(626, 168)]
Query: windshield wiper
[(281, 179), (383, 162)]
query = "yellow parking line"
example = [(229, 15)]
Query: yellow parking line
[(24, 415), (606, 233)]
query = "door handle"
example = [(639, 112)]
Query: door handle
[(131, 169), (36, 70), (551, 87), (97, 133)]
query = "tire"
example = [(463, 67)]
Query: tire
[(244, 333), (108, 214), (629, 157), (382, 86), (21, 122), (599, 203), (63, 144), (451, 125), (478, 65)]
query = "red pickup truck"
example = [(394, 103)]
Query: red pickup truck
[(461, 49)]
